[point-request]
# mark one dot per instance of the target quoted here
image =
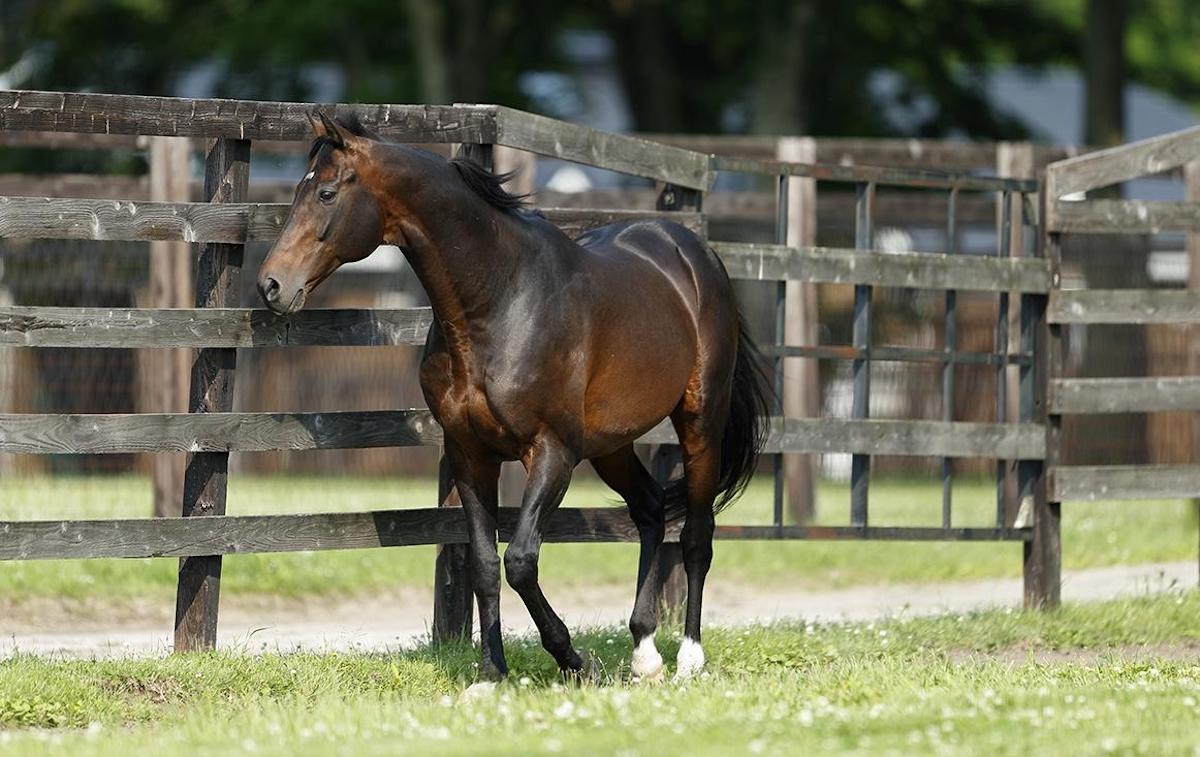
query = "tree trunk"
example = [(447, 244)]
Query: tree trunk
[(1104, 64), (778, 97), (427, 30), (647, 59), (1108, 262)]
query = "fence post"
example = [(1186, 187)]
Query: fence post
[(452, 590), (164, 372), (1191, 180), (226, 178), (1043, 555), (802, 390), (1014, 160)]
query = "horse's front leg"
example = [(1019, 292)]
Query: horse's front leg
[(549, 464), (475, 476)]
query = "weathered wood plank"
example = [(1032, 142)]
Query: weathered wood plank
[(910, 269), (894, 437), (1123, 216), (1112, 482), (229, 223), (215, 432), (246, 534), (937, 155), (615, 152), (1124, 395), (886, 176), (47, 326), (257, 432), (835, 208), (209, 327), (55, 218), (233, 119), (1122, 163), (1124, 306)]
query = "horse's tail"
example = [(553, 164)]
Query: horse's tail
[(745, 431)]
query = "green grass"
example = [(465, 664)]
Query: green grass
[(1094, 534), (902, 686)]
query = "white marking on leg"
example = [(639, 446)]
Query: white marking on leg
[(647, 662), (478, 690), (690, 659)]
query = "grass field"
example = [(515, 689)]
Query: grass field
[(1094, 534), (1119, 677)]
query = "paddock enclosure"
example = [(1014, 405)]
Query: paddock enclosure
[(1017, 435)]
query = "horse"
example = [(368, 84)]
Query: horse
[(550, 351)]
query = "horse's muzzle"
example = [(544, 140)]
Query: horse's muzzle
[(276, 299)]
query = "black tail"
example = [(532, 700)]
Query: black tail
[(745, 431)]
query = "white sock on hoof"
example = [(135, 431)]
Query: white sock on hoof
[(479, 689), (647, 662), (690, 660)]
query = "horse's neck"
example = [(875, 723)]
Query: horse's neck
[(462, 250)]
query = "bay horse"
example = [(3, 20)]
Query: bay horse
[(546, 350)]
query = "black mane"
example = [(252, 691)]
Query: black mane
[(486, 184)]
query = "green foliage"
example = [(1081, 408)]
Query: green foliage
[(784, 65)]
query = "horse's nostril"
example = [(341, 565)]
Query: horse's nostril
[(269, 289)]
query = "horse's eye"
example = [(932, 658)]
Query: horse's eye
[(325, 195)]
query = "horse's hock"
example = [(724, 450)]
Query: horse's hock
[(1031, 391)]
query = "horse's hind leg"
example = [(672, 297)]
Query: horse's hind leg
[(549, 465), (701, 449), (626, 475)]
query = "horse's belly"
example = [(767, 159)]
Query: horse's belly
[(631, 396)]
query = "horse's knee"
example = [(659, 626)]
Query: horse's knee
[(485, 564), (643, 623), (520, 567)]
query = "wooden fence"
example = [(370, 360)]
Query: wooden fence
[(745, 211), (1069, 211), (216, 330)]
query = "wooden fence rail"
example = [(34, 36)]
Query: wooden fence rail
[(256, 534), (31, 433), (231, 223), (1133, 306)]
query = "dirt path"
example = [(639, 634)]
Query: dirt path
[(402, 619)]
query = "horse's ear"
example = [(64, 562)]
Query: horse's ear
[(317, 127), (324, 126)]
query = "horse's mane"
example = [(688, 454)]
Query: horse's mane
[(487, 184)]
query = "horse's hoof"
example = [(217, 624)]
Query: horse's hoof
[(652, 678), (479, 690), (647, 663), (690, 660), (590, 672)]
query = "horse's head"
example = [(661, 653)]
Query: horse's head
[(334, 218)]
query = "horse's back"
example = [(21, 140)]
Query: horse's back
[(670, 247)]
